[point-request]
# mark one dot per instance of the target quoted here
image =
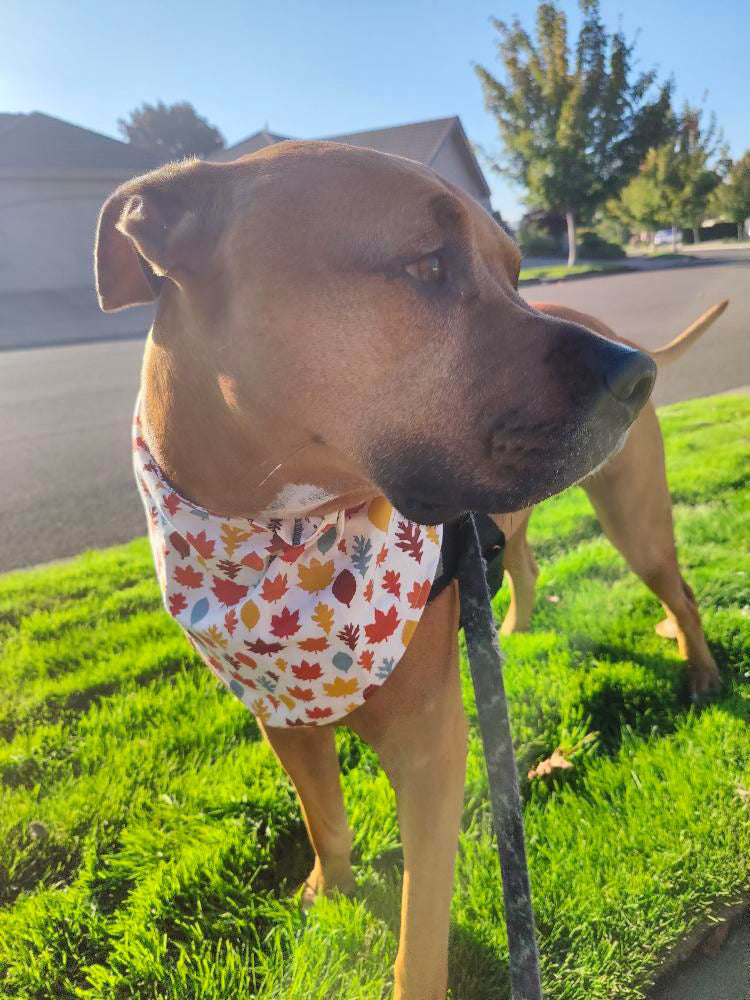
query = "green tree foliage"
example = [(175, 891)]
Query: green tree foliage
[(732, 197), (172, 131), (675, 181), (575, 130)]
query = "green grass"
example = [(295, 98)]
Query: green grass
[(558, 272), (150, 845)]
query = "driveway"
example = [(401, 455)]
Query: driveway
[(65, 411)]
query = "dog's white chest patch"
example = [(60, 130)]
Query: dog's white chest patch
[(302, 618), (296, 499)]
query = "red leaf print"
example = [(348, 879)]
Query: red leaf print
[(179, 544), (188, 577), (392, 582), (350, 635), (367, 593), (318, 713), (274, 590), (307, 671), (172, 503), (381, 556), (313, 645), (228, 593), (253, 561), (351, 511), (369, 691), (230, 621), (294, 722), (410, 539), (202, 545), (229, 568), (366, 659), (302, 694), (292, 553), (344, 587), (177, 603), (385, 625), (342, 546), (418, 594), (285, 624), (274, 701), (262, 648), (247, 660)]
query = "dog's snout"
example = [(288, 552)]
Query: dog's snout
[(631, 378)]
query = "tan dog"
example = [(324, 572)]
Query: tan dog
[(630, 496), (337, 317)]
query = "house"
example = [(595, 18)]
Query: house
[(440, 143), (54, 177)]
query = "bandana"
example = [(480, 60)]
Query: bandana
[(302, 618)]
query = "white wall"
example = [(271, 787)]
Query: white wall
[(451, 163), (47, 228)]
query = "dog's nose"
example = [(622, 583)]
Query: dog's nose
[(631, 379)]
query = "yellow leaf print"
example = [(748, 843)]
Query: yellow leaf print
[(408, 631), (213, 633), (249, 614), (289, 702), (379, 513), (232, 537), (260, 710), (280, 664), (323, 617), (432, 534), (339, 688), (317, 576)]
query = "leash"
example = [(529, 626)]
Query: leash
[(485, 661)]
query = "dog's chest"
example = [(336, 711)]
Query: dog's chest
[(302, 618)]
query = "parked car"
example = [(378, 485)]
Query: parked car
[(664, 236)]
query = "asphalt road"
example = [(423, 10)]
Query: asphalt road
[(65, 412)]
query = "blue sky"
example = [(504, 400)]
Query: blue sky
[(319, 68)]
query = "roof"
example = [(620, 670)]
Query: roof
[(36, 140), (420, 141)]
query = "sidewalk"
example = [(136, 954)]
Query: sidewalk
[(69, 316)]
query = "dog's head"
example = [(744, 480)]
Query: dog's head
[(358, 302)]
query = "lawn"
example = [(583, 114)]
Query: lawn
[(150, 846), (558, 272)]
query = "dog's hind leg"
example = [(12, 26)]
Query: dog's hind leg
[(308, 755), (521, 569), (631, 498)]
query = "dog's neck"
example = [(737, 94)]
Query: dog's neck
[(215, 457)]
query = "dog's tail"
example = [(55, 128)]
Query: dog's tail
[(677, 347)]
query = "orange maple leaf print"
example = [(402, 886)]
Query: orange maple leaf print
[(188, 577), (313, 645), (202, 545), (384, 625), (274, 590), (317, 576), (418, 594)]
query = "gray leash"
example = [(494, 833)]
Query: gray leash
[(494, 724)]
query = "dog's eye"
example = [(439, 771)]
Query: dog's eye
[(430, 269)]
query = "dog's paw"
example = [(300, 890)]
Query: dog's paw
[(319, 884), (704, 683)]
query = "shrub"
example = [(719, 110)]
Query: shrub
[(535, 242), (591, 245)]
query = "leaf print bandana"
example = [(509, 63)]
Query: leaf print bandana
[(301, 618)]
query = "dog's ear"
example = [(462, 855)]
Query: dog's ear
[(156, 227)]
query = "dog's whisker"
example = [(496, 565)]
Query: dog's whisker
[(297, 448)]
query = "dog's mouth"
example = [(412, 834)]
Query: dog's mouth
[(430, 485)]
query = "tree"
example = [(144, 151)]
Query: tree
[(575, 131), (732, 197), (674, 183), (171, 131)]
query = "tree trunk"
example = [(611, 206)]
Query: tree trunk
[(740, 231), (674, 237), (571, 220), (696, 234)]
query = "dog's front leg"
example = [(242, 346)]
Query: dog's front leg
[(417, 725)]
